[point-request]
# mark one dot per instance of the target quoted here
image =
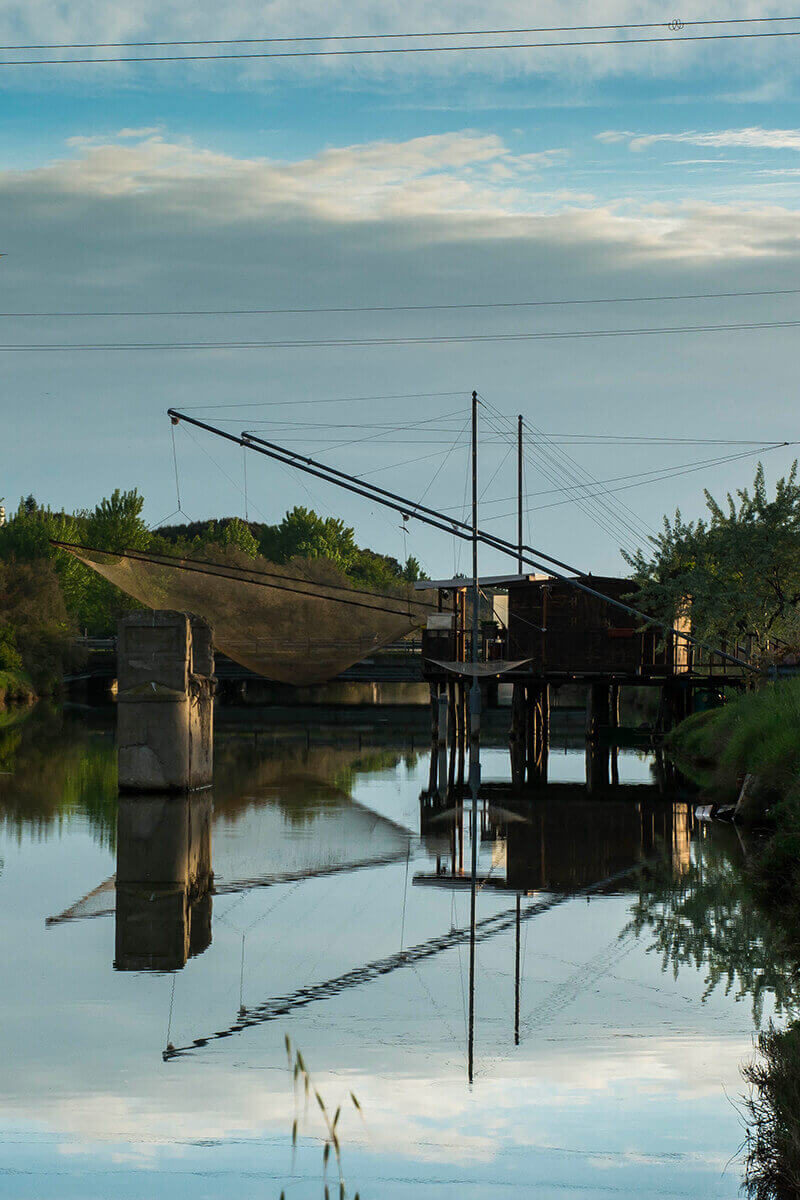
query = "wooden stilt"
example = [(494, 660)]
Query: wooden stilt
[(516, 735)]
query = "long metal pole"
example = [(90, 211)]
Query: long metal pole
[(519, 492), (474, 738), (516, 975)]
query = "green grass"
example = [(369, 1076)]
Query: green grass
[(758, 732), (15, 687)]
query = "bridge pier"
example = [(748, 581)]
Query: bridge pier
[(165, 664)]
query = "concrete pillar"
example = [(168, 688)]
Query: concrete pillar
[(164, 703)]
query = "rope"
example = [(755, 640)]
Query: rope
[(405, 894), (175, 465), (171, 1004)]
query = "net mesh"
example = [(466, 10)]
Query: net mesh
[(299, 623)]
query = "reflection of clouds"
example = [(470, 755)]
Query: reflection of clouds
[(425, 1117)]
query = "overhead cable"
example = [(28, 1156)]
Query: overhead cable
[(353, 343), (389, 308), (376, 51), (673, 25)]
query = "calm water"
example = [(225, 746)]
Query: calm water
[(337, 918)]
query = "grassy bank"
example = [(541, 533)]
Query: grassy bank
[(758, 734), (15, 688)]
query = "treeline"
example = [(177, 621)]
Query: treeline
[(47, 596), (734, 574)]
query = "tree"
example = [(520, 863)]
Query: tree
[(232, 532), (737, 572), (304, 534), (35, 629), (412, 571), (116, 523)]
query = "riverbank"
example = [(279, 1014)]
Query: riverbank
[(756, 736), (16, 688)]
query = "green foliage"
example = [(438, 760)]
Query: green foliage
[(301, 534), (10, 657), (758, 732), (304, 534), (303, 1083), (15, 687), (94, 606), (116, 523), (737, 572), (34, 624)]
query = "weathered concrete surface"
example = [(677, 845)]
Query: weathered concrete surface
[(164, 879), (165, 702)]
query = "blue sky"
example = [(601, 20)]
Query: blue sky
[(440, 179)]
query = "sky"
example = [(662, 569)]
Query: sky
[(502, 177)]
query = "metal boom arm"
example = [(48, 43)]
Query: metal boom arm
[(530, 555)]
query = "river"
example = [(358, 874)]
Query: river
[(312, 896)]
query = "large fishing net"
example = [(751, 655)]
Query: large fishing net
[(300, 623)]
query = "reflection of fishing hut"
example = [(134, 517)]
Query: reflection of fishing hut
[(164, 879), (562, 843)]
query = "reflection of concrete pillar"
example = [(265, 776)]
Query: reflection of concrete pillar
[(164, 879), (165, 702)]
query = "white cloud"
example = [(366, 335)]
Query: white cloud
[(438, 189), (753, 137), (159, 223)]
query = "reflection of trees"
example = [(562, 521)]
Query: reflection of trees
[(705, 919), (298, 777), (772, 1165), (57, 769), (54, 768)]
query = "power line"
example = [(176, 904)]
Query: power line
[(674, 25), (443, 339), (390, 308), (396, 50)]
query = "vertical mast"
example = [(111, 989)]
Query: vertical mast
[(519, 492), (474, 740)]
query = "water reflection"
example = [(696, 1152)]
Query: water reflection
[(598, 1065), (703, 918), (558, 842), (163, 881)]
